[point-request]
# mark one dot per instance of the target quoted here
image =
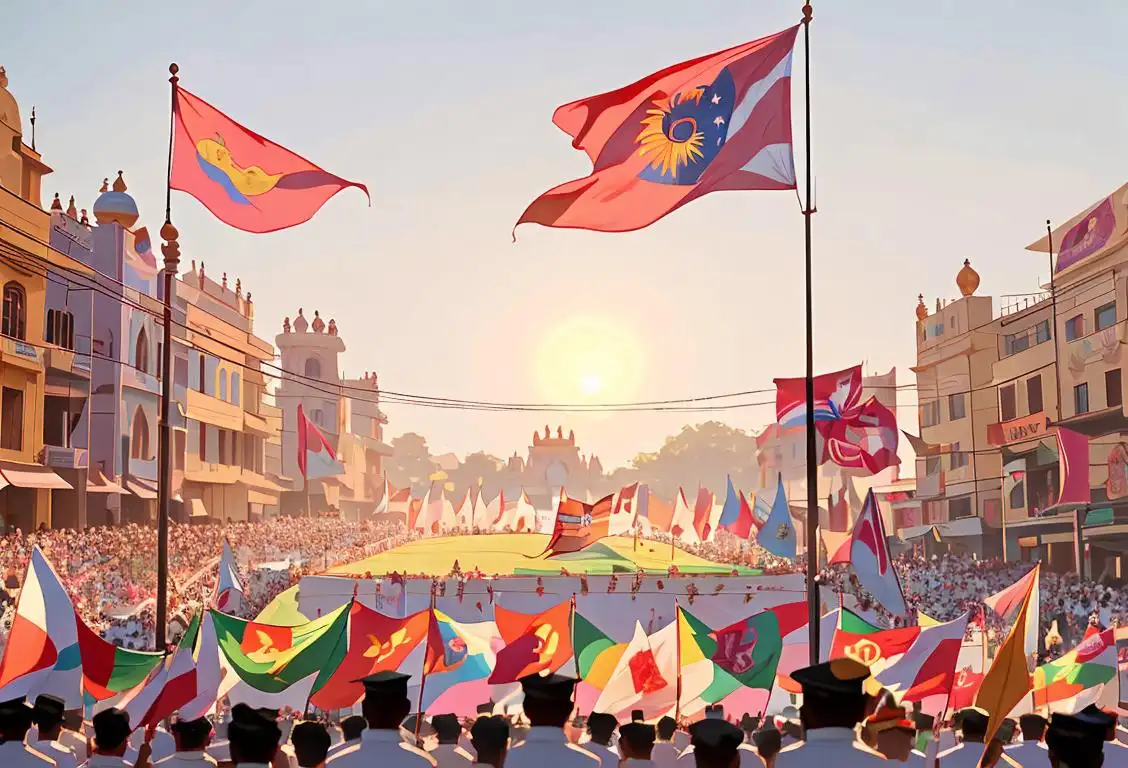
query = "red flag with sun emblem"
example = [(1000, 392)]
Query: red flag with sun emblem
[(377, 643), (717, 122), (579, 525), (245, 180), (539, 644)]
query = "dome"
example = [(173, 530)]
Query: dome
[(921, 310), (968, 279), (116, 206), (9, 109)]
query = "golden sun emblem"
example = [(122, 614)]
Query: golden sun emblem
[(549, 640), (670, 147), (864, 652), (381, 650)]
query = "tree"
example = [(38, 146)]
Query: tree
[(411, 462), (476, 469), (704, 454)]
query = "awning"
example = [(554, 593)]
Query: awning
[(257, 425), (964, 526), (97, 482), (259, 483), (262, 497), (197, 508), (1110, 421), (142, 489), (31, 476)]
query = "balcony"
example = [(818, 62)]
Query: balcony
[(65, 458), (211, 410), (66, 361), (20, 354)]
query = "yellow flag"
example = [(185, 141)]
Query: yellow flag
[(1008, 680), (926, 621)]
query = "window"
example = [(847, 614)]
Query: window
[(1081, 398), (932, 465), (1105, 316), (1034, 393), (60, 328), (141, 352), (139, 439), (1074, 327), (1007, 408), (223, 446), (235, 391), (1042, 332), (958, 508), (958, 458), (317, 417), (930, 413), (1113, 396), (313, 368), (15, 312), (235, 448), (11, 415), (1018, 495), (203, 441), (203, 374), (1016, 342), (158, 364), (222, 384), (956, 406)]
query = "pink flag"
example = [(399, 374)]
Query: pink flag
[(869, 554), (1073, 467)]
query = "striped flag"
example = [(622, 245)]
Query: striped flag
[(579, 525)]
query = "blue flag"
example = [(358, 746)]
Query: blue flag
[(730, 512), (778, 534)]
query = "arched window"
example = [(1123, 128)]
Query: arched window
[(139, 439), (235, 389), (222, 384), (313, 368), (141, 352), (60, 328), (15, 311)]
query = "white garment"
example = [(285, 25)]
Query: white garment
[(195, 759), (75, 740), (107, 761), (381, 748), (966, 755), (343, 745), (163, 745), (220, 751), (16, 754), (681, 740), (837, 747), (665, 754), (451, 756), (64, 757), (608, 757), (1029, 754), (749, 757), (287, 749), (545, 746)]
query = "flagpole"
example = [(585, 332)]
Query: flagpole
[(677, 658), (171, 252), (812, 459), (422, 677)]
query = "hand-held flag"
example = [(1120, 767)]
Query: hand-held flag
[(778, 534), (869, 555), (717, 122), (245, 180)]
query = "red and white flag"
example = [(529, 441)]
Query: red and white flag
[(637, 681), (928, 667), (869, 555), (316, 458)]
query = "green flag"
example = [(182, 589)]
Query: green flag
[(596, 653), (853, 624)]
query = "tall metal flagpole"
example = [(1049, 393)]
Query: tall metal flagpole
[(171, 251), (812, 459)]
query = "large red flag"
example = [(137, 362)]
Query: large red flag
[(579, 525), (245, 180), (539, 644), (718, 122)]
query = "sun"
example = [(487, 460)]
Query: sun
[(589, 359), (591, 383)]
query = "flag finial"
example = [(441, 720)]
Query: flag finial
[(174, 70), (808, 13)]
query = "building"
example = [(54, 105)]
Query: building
[(553, 462), (346, 411), (224, 445)]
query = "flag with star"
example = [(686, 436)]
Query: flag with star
[(714, 123), (377, 643)]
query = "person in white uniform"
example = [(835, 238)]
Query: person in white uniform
[(385, 706), (351, 729), (548, 706), (749, 758), (973, 732), (1031, 751), (768, 741), (665, 752), (15, 721), (489, 735), (192, 738), (1077, 741), (111, 739), (715, 743), (252, 737), (311, 744), (601, 728), (48, 716), (834, 702), (636, 742), (447, 752)]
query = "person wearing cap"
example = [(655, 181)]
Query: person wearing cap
[(1115, 752), (715, 743), (601, 728), (636, 741), (15, 721), (311, 743), (749, 758), (834, 702), (48, 717), (72, 734), (447, 753), (111, 740), (665, 752), (548, 705), (489, 735), (891, 733), (385, 707), (973, 733), (1076, 741), (351, 729), (253, 737), (768, 742), (1031, 751), (161, 744), (191, 738)]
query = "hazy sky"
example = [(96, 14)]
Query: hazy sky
[(942, 131)]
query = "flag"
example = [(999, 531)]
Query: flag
[(965, 689), (525, 515), (109, 670), (749, 650), (623, 509), (1007, 601), (928, 666), (717, 122), (596, 653), (642, 506), (382, 506), (869, 556), (924, 621), (1008, 680), (1073, 467), (837, 547), (681, 521), (245, 180), (877, 648), (578, 525), (636, 678), (42, 654), (376, 643), (852, 433), (178, 684), (229, 596), (283, 665), (1077, 679), (736, 515), (702, 512), (456, 653), (495, 512), (539, 644), (316, 458), (778, 534), (838, 516)]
